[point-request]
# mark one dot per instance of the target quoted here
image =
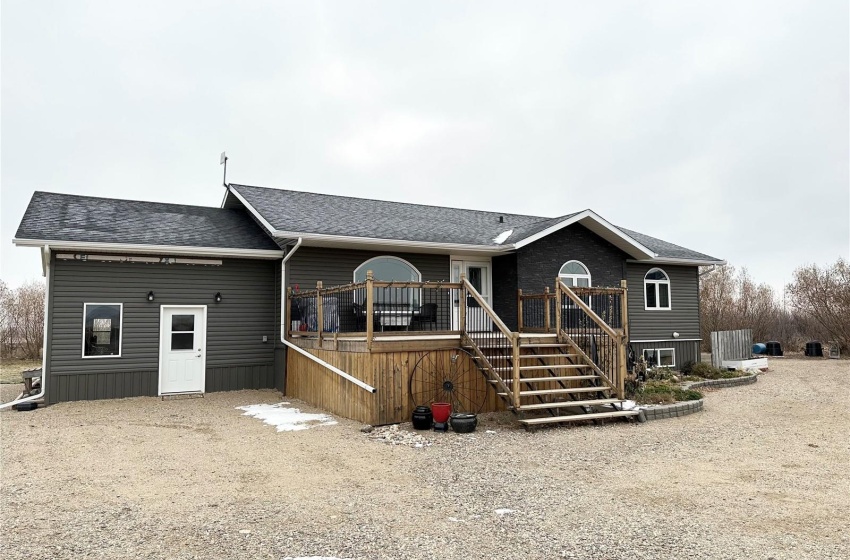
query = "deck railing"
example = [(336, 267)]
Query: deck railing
[(369, 308), (602, 344)]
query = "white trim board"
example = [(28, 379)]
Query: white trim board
[(120, 332), (163, 249)]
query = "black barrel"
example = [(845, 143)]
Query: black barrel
[(814, 349), (774, 348)]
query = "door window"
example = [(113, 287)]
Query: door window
[(182, 332)]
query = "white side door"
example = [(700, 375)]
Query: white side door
[(182, 349), (478, 274)]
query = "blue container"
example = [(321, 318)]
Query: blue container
[(759, 348)]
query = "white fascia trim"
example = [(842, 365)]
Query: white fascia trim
[(254, 212), (164, 249), (224, 200), (587, 214), (689, 262), (389, 242)]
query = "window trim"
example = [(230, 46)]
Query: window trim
[(656, 350), (405, 261), (120, 332), (413, 299), (655, 284), (576, 276)]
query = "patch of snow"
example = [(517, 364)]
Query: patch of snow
[(490, 432), (503, 511), (499, 239), (626, 405), (286, 419)]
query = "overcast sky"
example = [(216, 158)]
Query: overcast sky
[(720, 126)]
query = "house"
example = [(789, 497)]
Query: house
[(352, 304)]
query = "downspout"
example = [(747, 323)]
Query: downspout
[(284, 323), (45, 261)]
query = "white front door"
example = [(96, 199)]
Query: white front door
[(182, 349), (478, 274)]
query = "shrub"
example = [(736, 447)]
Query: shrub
[(688, 368), (661, 374)]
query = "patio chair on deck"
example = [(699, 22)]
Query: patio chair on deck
[(426, 318)]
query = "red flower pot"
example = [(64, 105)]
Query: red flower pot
[(441, 411)]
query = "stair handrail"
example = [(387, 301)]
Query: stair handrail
[(509, 334), (487, 309), (616, 379), (590, 312)]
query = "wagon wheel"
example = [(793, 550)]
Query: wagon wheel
[(450, 377)]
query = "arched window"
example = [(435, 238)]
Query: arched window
[(574, 273), (656, 289), (391, 269)]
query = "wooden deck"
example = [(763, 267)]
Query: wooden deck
[(568, 364)]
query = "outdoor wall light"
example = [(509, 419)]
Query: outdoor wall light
[(217, 297), (675, 335), (150, 295)]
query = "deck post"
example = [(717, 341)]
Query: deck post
[(519, 310), (558, 306), (546, 315), (461, 306), (288, 326), (320, 318), (370, 310), (624, 340), (516, 384)]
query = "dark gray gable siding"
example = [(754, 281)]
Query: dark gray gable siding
[(538, 263), (683, 317), (237, 357)]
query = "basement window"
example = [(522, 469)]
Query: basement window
[(660, 357), (102, 330)]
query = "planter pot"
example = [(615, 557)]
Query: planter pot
[(441, 411), (422, 418), (463, 423)]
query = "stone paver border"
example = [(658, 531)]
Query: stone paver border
[(689, 407)]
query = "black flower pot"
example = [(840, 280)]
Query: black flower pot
[(422, 418), (463, 423)]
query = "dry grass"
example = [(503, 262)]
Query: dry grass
[(10, 370)]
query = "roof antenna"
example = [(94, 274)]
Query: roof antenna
[(223, 162)]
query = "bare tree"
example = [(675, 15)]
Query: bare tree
[(22, 320), (821, 296), (731, 300)]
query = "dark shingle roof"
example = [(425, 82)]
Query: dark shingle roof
[(65, 217), (665, 249), (303, 212)]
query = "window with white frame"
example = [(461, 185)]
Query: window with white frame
[(656, 289), (660, 357), (391, 269), (102, 329), (574, 273)]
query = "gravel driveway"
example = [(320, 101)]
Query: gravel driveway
[(763, 472)]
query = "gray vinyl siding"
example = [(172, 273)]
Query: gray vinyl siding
[(684, 350), (236, 356), (335, 267), (659, 324)]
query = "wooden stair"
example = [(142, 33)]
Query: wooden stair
[(545, 368)]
